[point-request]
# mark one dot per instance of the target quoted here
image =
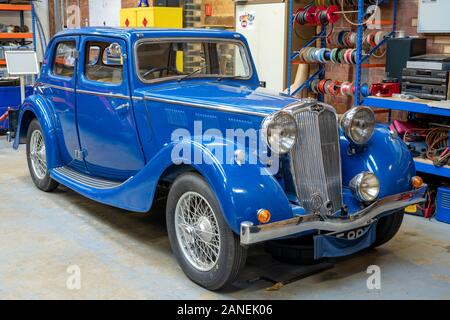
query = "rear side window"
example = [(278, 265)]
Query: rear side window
[(104, 62), (64, 63)]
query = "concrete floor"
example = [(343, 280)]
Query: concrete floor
[(125, 255)]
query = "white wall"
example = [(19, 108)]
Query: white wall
[(104, 13), (266, 35)]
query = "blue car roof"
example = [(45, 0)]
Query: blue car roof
[(130, 33)]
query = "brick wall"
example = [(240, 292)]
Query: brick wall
[(222, 13), (84, 12)]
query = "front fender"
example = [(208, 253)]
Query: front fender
[(387, 156), (41, 110), (241, 190)]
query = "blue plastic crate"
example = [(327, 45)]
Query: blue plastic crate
[(443, 205)]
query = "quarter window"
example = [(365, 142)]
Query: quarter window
[(64, 64), (104, 62)]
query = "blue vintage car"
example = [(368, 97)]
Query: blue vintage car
[(118, 113)]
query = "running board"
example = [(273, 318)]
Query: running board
[(88, 181)]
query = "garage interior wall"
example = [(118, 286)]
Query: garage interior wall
[(223, 16)]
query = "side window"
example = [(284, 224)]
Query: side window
[(64, 62), (104, 62)]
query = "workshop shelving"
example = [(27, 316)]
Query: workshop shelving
[(15, 7), (361, 57), (21, 9), (414, 106), (426, 166), (22, 40), (16, 35)]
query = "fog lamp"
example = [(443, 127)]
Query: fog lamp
[(365, 186), (264, 216)]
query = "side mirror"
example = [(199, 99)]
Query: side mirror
[(112, 56)]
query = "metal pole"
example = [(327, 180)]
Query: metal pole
[(33, 25), (290, 44), (323, 44), (359, 43), (394, 19), (22, 88)]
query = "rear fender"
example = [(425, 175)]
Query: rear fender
[(35, 106)]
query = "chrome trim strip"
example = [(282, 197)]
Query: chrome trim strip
[(37, 85), (210, 107), (251, 233), (104, 94)]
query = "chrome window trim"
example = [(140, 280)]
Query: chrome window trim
[(193, 39), (210, 107)]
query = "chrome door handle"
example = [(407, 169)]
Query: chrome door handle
[(122, 107)]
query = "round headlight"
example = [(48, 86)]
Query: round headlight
[(365, 186), (280, 132), (358, 124)]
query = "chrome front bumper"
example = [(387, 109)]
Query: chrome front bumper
[(251, 233)]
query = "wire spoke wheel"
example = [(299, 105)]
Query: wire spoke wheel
[(197, 231), (38, 154)]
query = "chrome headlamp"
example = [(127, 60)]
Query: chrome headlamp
[(280, 132), (358, 125), (365, 186)]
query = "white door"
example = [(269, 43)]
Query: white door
[(104, 13), (264, 26)]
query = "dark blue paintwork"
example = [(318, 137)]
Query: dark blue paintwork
[(134, 145)]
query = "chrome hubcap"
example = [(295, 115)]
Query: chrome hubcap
[(197, 231), (38, 155)]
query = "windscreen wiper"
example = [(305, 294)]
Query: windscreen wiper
[(193, 73)]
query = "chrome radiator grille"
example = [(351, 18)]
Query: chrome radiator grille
[(316, 160)]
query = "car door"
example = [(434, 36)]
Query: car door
[(109, 142), (58, 86)]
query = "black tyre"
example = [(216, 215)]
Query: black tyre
[(387, 227), (37, 158), (207, 250)]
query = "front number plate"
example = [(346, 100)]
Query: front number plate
[(352, 234)]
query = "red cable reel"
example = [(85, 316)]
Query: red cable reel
[(306, 16)]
